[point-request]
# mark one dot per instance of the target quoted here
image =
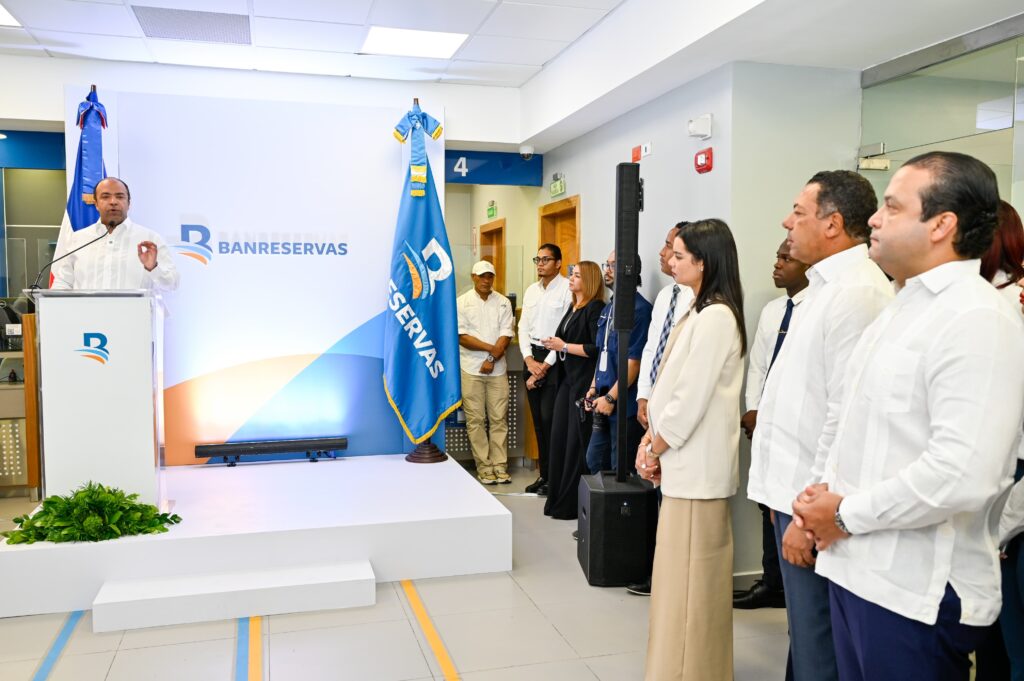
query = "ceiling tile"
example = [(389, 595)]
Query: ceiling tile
[(213, 55), (451, 16), (227, 6), (307, 35), (18, 42), (503, 50), (62, 44), (303, 61), (74, 17), (479, 73), (340, 12), (539, 21), (398, 68), (590, 4)]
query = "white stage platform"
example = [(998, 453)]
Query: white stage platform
[(273, 526)]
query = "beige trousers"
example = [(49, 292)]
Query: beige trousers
[(485, 400), (691, 593)]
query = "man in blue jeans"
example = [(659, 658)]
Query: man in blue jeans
[(604, 394)]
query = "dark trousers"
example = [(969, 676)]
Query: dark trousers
[(807, 612), (602, 454), (1012, 617), (542, 409), (875, 644), (769, 551)]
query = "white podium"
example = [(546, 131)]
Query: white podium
[(98, 382)]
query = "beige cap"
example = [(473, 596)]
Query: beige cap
[(483, 267)]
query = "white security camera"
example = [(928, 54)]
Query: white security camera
[(526, 151)]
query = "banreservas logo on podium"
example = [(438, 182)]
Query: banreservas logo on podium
[(94, 346), (196, 244)]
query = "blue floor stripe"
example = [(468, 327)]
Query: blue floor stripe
[(53, 654), (242, 650)]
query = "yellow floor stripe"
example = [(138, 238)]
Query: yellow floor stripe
[(255, 649), (433, 638)]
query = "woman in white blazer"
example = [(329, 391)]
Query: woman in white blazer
[(692, 451)]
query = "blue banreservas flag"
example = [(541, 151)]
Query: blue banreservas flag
[(89, 168), (421, 341)]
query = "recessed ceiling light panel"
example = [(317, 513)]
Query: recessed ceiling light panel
[(401, 42)]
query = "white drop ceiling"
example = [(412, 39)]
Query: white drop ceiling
[(508, 43)]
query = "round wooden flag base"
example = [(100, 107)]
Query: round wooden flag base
[(426, 452)]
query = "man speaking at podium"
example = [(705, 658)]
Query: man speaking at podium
[(125, 255)]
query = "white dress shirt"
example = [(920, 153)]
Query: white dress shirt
[(543, 309), (765, 338), (800, 404), (486, 320), (926, 447), (695, 406), (113, 262), (658, 314)]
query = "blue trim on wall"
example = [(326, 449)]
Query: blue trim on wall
[(33, 150)]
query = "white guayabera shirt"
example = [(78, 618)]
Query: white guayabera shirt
[(926, 447), (800, 402), (113, 262)]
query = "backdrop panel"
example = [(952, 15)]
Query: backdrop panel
[(281, 218)]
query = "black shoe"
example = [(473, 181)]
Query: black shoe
[(576, 535), (759, 596), (543, 490), (535, 485), (641, 589)]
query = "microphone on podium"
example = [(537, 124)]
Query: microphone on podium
[(110, 228)]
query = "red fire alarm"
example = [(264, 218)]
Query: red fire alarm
[(703, 160)]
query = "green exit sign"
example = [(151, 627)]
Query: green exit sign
[(491, 211), (557, 187)]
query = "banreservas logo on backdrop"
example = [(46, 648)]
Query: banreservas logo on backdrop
[(94, 346), (423, 281), (196, 243)]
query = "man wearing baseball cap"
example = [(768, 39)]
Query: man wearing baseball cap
[(485, 330)]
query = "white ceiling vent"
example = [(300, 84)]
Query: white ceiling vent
[(204, 27)]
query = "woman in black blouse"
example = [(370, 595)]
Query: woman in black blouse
[(574, 341)]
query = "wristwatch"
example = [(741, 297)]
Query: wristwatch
[(839, 520), (490, 358), (611, 400), (650, 450)]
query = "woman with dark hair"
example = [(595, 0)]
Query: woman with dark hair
[(1003, 264), (574, 341), (692, 451)]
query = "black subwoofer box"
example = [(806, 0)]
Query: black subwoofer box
[(617, 524)]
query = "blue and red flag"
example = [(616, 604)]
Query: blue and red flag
[(421, 341), (89, 170)]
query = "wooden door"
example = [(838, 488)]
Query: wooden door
[(560, 225), (492, 249)]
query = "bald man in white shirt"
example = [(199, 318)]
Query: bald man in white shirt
[(925, 445), (129, 256)]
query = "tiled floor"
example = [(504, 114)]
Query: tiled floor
[(539, 622)]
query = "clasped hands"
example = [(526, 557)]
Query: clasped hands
[(813, 526), (647, 466)]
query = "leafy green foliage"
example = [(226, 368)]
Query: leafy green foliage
[(93, 512)]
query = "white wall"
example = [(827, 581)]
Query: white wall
[(774, 126), (33, 90), (672, 191)]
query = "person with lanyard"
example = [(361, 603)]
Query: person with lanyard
[(544, 304), (828, 230), (925, 446), (604, 396), (772, 328), (574, 341)]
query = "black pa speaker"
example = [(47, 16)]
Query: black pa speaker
[(628, 204), (617, 525)]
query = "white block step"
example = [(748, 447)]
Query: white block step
[(132, 604)]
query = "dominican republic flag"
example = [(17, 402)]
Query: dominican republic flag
[(421, 340), (89, 170)]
